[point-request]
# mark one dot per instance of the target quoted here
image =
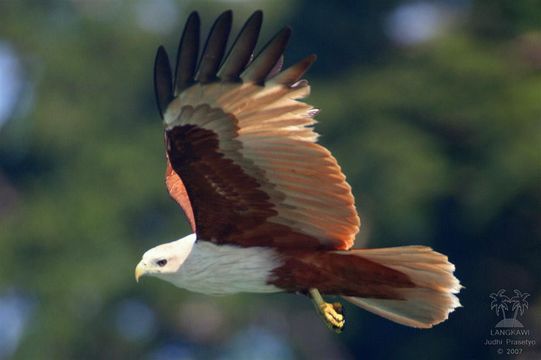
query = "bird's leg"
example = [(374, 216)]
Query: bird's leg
[(332, 314)]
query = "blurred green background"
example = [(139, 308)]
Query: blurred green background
[(433, 109)]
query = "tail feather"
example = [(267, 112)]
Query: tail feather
[(427, 303)]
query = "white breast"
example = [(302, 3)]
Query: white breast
[(225, 269)]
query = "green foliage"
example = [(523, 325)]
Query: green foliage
[(454, 119)]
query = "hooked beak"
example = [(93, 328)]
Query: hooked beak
[(140, 270)]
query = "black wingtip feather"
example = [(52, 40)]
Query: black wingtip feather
[(242, 49), (260, 68), (235, 67), (162, 80), (187, 54), (293, 73), (277, 67), (214, 48)]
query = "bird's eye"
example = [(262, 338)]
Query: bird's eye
[(162, 263)]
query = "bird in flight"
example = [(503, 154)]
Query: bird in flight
[(270, 209)]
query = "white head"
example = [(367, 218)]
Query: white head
[(166, 258)]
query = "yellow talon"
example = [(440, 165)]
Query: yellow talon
[(332, 314)]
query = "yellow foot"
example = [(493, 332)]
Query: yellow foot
[(332, 314)]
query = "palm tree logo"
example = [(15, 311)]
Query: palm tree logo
[(500, 304)]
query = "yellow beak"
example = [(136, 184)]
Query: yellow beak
[(139, 271)]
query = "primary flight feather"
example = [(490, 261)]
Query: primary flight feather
[(270, 208)]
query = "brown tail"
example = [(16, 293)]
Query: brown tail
[(423, 305), (411, 285)]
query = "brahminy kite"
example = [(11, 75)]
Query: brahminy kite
[(270, 209)]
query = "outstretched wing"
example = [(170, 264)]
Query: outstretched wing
[(243, 147)]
